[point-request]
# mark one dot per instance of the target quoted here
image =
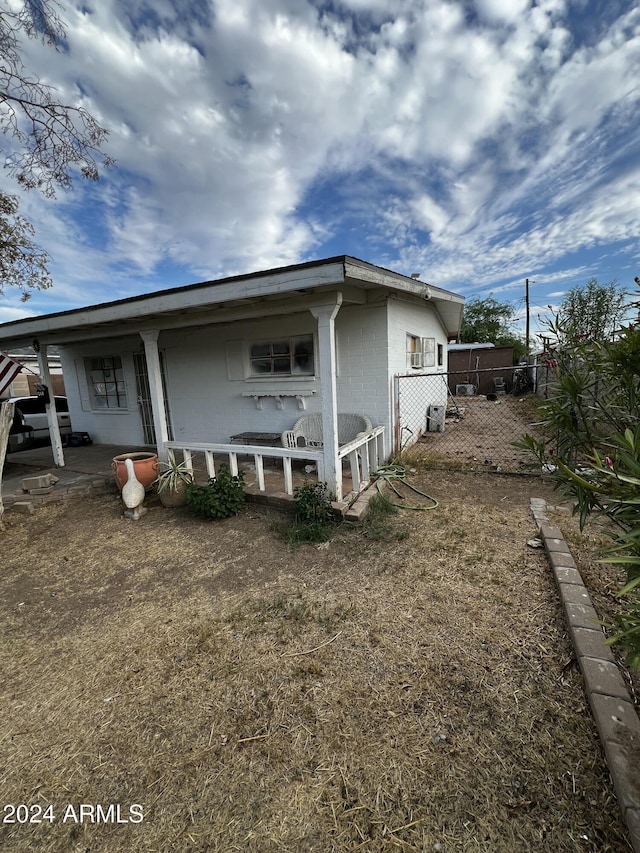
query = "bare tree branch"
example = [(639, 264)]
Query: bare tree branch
[(22, 263), (54, 139)]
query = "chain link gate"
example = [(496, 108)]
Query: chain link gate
[(467, 419)]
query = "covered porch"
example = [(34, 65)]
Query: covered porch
[(269, 473), (345, 464), (189, 369)]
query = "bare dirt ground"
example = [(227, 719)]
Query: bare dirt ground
[(411, 693), (479, 433)]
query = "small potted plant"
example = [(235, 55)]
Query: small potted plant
[(172, 481)]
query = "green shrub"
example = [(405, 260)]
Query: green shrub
[(611, 487), (591, 447), (313, 504), (314, 517), (220, 498)]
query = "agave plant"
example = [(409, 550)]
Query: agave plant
[(173, 473)]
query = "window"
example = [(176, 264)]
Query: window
[(440, 355), (106, 382), (283, 357), (421, 352), (414, 352)]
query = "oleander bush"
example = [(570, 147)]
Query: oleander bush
[(591, 447)]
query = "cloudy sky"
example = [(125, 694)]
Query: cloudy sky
[(477, 142)]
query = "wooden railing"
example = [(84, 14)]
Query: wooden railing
[(364, 454)]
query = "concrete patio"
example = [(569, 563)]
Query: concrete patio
[(87, 469)]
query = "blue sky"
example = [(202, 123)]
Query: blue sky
[(476, 142)]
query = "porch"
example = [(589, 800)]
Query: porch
[(270, 473), (277, 470)]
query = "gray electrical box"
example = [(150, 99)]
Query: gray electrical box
[(435, 418)]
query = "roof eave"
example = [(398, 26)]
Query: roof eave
[(340, 271)]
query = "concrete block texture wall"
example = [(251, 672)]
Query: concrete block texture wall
[(362, 359), (417, 318), (208, 374), (114, 426), (208, 386)]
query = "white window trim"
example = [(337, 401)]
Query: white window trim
[(277, 377), (413, 351)]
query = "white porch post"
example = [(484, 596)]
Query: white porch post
[(325, 315), (52, 416), (150, 340)]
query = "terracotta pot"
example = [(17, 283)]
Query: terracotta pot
[(145, 466), (174, 497)]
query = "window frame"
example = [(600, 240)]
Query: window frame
[(272, 356), (414, 348), (421, 352), (109, 364)]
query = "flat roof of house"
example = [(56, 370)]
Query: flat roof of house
[(124, 315), (454, 347)]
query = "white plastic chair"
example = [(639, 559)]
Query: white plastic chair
[(307, 431)]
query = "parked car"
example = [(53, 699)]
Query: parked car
[(35, 415), (20, 434)]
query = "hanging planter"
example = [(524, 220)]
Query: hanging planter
[(145, 466)]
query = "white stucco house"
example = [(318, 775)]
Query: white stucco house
[(196, 367)]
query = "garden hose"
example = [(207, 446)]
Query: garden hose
[(388, 473)]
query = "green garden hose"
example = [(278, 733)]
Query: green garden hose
[(388, 473)]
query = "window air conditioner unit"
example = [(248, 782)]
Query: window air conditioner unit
[(416, 359), (465, 390)]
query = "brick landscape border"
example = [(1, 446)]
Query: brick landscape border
[(613, 709)]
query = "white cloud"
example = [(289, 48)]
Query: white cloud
[(429, 215), (8, 313), (501, 143), (501, 11)]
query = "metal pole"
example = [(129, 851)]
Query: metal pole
[(526, 299)]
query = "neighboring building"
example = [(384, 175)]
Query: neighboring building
[(24, 385), (468, 361), (199, 364)]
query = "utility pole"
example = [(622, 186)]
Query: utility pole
[(526, 300)]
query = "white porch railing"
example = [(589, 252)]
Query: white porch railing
[(365, 454)]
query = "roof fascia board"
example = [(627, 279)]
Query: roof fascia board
[(277, 283), (441, 310), (396, 281), (217, 316)]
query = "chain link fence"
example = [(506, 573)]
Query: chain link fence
[(468, 419)]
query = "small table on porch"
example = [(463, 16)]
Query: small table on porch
[(260, 439)]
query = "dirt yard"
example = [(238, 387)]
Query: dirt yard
[(479, 433), (178, 685)]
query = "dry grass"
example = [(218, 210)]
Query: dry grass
[(603, 580), (410, 695)]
